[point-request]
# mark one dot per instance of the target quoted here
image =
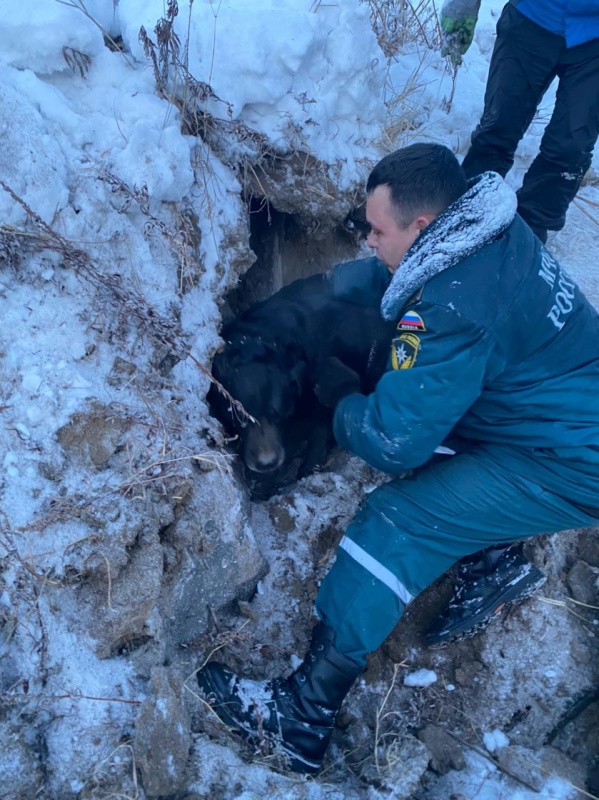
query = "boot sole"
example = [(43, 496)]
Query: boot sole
[(294, 761), (511, 595)]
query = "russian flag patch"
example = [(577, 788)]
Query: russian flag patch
[(411, 321)]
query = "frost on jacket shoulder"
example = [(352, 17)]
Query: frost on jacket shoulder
[(483, 212)]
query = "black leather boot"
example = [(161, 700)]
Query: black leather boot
[(487, 583), (294, 715)]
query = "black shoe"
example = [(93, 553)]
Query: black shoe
[(294, 716), (487, 583)]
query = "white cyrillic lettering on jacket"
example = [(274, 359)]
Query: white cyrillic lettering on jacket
[(561, 302)]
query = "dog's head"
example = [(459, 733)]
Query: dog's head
[(270, 382)]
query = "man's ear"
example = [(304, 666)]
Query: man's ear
[(423, 221)]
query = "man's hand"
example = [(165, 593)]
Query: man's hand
[(334, 380), (458, 20)]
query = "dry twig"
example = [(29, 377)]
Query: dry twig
[(131, 303)]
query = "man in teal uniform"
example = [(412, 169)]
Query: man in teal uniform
[(537, 41), (496, 349)]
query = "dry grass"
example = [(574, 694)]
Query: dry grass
[(397, 23), (204, 114), (183, 237), (174, 82), (159, 469), (381, 716), (76, 60), (126, 300), (79, 5), (404, 108), (105, 770), (216, 643), (569, 604)]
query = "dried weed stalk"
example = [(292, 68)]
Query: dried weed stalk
[(106, 769), (79, 5), (174, 82), (14, 699), (585, 211), (129, 302), (400, 22), (217, 643), (403, 109), (254, 153), (381, 716), (162, 468), (12, 553), (184, 239), (76, 60)]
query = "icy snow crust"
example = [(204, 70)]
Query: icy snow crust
[(128, 548)]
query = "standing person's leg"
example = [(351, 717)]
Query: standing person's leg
[(411, 531), (567, 145), (523, 64)]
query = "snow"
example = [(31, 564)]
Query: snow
[(320, 91), (495, 739), (422, 677), (483, 781), (92, 149)]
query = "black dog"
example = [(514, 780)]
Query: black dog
[(268, 363)]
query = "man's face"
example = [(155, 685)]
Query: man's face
[(387, 238)]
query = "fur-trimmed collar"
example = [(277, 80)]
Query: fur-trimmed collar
[(483, 212)]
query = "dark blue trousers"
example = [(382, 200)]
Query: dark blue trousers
[(410, 531), (525, 61)]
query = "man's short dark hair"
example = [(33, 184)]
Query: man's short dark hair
[(423, 179)]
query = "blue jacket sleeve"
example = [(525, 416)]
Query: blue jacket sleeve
[(414, 408)]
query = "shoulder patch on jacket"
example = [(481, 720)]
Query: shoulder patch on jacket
[(404, 350), (411, 321)]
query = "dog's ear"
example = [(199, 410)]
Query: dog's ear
[(243, 349)]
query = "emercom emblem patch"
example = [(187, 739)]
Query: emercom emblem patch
[(411, 321), (404, 350)]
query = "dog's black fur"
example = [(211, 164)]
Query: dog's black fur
[(268, 363)]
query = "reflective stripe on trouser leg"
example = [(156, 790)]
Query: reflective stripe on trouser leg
[(361, 598), (376, 568), (411, 531)]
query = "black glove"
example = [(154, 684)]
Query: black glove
[(334, 380)]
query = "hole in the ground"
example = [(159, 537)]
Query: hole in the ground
[(271, 354), (286, 251)]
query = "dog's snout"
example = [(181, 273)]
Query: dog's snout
[(264, 451), (266, 461)]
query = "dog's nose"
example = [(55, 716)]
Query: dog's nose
[(266, 459), (263, 450)]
